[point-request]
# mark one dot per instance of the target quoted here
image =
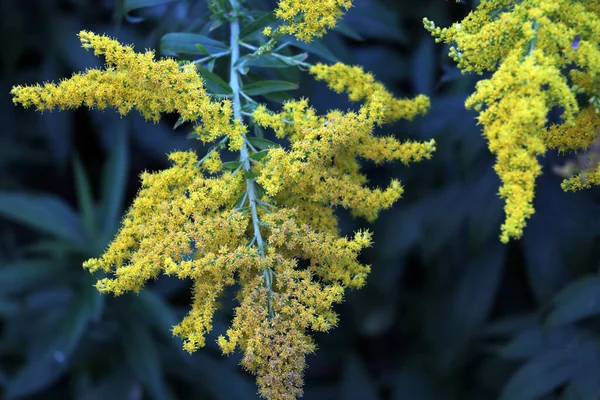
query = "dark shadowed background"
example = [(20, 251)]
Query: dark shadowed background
[(448, 312)]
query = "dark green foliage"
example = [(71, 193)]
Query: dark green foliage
[(448, 311)]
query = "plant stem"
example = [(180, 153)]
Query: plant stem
[(234, 83)]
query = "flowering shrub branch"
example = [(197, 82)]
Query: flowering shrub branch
[(264, 221), (542, 54)]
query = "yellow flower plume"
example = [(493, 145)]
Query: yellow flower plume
[(308, 19), (528, 45), (270, 228), (136, 81)]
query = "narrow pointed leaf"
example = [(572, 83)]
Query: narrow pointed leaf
[(142, 357), (263, 87), (345, 29), (265, 61), (214, 82), (260, 155), (114, 180), (124, 8), (355, 384), (231, 164), (22, 275), (84, 197), (262, 143), (315, 47), (46, 213), (257, 25), (180, 121), (46, 368), (156, 312), (130, 5), (577, 301), (190, 43), (539, 376), (202, 49)]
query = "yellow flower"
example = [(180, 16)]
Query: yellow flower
[(528, 45), (309, 19), (269, 225), (136, 81)]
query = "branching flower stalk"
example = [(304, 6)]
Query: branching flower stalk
[(234, 83), (266, 221)]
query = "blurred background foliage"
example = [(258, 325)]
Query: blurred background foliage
[(448, 311)]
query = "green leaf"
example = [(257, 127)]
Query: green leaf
[(231, 164), (278, 97), (142, 357), (84, 197), (53, 247), (423, 66), (241, 200), (216, 24), (265, 61), (190, 43), (584, 383), (263, 87), (257, 25), (355, 384), (130, 5), (261, 143), (43, 369), (118, 383), (510, 325), (475, 292), (538, 340), (156, 312), (180, 121), (345, 29), (214, 82), (411, 383), (202, 49), (539, 376), (249, 175), (46, 213), (259, 155), (271, 61), (579, 300), (210, 66), (22, 275), (315, 47), (114, 181)]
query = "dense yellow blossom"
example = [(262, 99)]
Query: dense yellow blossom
[(268, 225), (321, 164), (136, 81), (528, 45), (309, 19), (584, 180), (361, 85)]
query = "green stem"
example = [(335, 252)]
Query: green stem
[(532, 43), (234, 83)]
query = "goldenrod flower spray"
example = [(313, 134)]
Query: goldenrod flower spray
[(543, 54), (249, 221)]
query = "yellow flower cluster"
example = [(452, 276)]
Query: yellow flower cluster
[(182, 224), (270, 227), (361, 85), (321, 165), (274, 349), (309, 19), (584, 180), (527, 45), (136, 81)]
